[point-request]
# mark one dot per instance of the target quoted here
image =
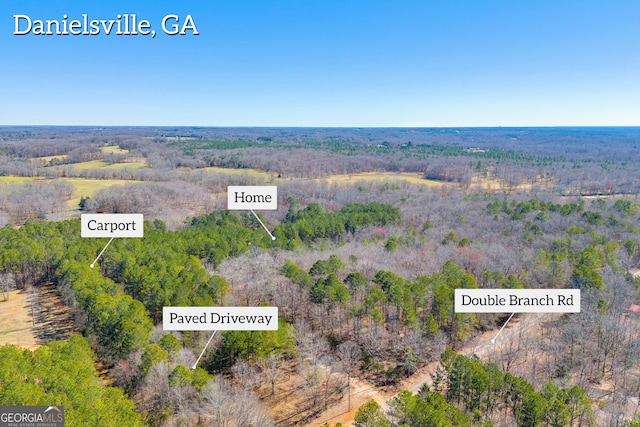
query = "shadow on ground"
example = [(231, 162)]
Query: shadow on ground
[(53, 321)]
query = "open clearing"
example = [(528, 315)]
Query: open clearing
[(251, 172), (414, 178), (52, 318), (16, 326), (93, 164), (100, 164), (14, 179), (130, 165), (87, 187), (113, 149)]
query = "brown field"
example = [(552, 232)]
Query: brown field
[(31, 319), (16, 326), (289, 405)]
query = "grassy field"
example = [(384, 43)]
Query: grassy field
[(414, 178), (94, 164), (251, 172), (14, 179), (83, 186), (130, 165), (86, 187), (113, 149), (99, 164)]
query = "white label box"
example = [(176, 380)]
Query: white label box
[(517, 300), (112, 225), (259, 197), (220, 318)]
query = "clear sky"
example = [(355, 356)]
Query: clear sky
[(328, 63)]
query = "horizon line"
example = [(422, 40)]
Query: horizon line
[(3, 126)]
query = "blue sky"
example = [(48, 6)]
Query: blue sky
[(329, 63)]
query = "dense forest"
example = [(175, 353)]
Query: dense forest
[(363, 271)]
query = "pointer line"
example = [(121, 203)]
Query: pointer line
[(101, 252), (263, 226), (203, 350), (505, 324)]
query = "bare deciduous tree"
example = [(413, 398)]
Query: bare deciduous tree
[(272, 367), (349, 355)]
